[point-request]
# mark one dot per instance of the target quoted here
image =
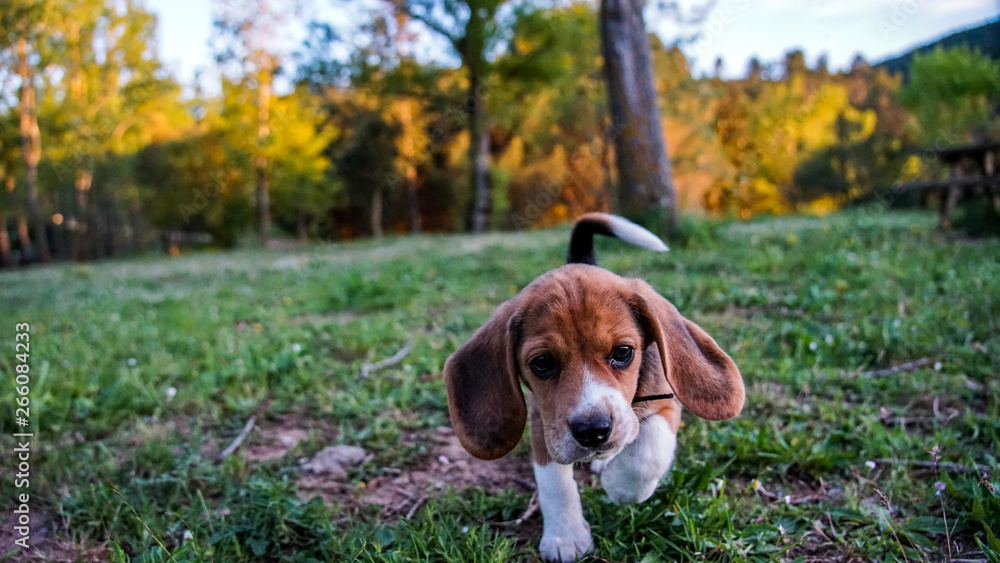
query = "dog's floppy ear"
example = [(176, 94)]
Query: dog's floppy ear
[(484, 393), (703, 377)]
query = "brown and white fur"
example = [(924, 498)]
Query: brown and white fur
[(585, 342)]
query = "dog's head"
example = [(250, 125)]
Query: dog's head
[(576, 338)]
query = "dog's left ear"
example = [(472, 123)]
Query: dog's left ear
[(703, 377), (484, 392)]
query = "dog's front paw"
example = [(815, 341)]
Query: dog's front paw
[(633, 474), (567, 544)]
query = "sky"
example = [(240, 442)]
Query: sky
[(735, 30)]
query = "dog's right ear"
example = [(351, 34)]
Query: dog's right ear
[(484, 394)]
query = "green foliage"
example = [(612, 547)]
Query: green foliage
[(952, 92), (197, 184), (783, 138)]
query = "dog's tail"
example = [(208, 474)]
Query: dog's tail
[(581, 242)]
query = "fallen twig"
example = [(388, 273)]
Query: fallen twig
[(821, 496), (956, 467), (416, 505), (528, 513), (814, 497), (239, 438), (367, 369), (909, 421), (909, 366), (403, 492), (247, 428)]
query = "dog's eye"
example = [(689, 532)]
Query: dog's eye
[(544, 366), (621, 356)]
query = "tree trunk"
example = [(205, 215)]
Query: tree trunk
[(413, 205), (110, 228), (646, 189), (6, 258), (376, 213), (263, 205), (479, 144), (263, 131), (24, 240), (31, 148), (409, 155), (301, 228), (134, 228), (81, 232)]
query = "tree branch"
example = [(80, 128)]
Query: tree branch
[(434, 26), (367, 369), (909, 366), (956, 467)]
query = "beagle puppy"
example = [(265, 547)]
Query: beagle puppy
[(606, 363)]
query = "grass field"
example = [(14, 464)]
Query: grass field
[(142, 371)]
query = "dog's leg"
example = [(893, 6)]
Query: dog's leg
[(565, 534), (632, 475)]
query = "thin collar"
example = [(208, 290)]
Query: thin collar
[(652, 398)]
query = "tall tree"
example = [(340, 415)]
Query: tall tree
[(953, 94), (23, 20), (9, 156), (412, 137), (248, 32), (646, 187), (31, 144), (102, 55), (471, 28)]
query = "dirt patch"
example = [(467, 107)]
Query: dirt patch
[(43, 545), (271, 438), (275, 438), (402, 492)]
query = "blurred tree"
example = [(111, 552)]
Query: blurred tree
[(109, 83), (9, 160), (315, 66), (366, 158), (795, 64), (471, 28), (789, 140), (402, 88), (550, 118), (247, 32), (383, 91), (303, 196), (413, 138), (951, 93), (197, 184), (646, 188), (22, 22)]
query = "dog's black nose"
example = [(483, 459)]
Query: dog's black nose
[(591, 431)]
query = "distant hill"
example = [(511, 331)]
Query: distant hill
[(985, 39)]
